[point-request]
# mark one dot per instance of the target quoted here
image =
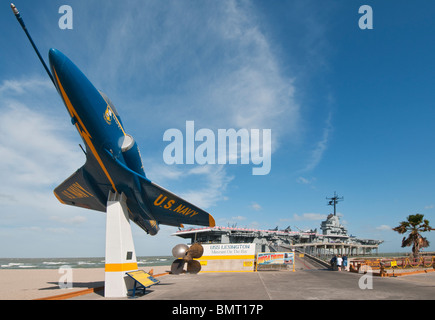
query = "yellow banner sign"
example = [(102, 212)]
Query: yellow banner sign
[(143, 278)]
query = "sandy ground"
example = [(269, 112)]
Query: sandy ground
[(36, 284)]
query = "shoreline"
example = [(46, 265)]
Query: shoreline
[(76, 262), (30, 284)]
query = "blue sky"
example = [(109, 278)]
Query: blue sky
[(350, 111)]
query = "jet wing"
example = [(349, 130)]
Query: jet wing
[(168, 208)]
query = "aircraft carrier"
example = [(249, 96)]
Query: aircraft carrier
[(333, 238)]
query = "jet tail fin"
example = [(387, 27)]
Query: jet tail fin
[(76, 191)]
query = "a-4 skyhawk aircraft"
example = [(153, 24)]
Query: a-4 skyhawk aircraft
[(113, 161)]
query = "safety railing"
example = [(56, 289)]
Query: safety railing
[(399, 263)]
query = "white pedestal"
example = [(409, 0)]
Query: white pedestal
[(120, 253)]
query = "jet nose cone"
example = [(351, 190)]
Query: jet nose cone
[(56, 59)]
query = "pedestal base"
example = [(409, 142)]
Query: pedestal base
[(120, 253)]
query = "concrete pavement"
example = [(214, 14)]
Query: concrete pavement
[(307, 283)]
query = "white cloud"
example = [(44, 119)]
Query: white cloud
[(307, 181), (75, 220), (384, 227), (303, 180), (19, 87), (250, 90), (203, 186), (238, 218), (215, 185), (309, 216), (35, 142), (37, 154), (160, 172), (321, 146), (32, 148), (61, 231), (210, 63), (256, 206)]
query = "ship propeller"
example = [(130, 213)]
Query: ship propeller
[(184, 255)]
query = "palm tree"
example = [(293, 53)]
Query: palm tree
[(414, 225)]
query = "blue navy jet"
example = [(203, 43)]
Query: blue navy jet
[(113, 161)]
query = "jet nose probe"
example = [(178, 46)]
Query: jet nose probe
[(21, 21), (14, 9)]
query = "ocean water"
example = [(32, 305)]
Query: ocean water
[(55, 263)]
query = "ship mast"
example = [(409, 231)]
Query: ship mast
[(333, 201)]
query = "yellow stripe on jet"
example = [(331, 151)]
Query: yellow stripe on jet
[(86, 135), (58, 198)]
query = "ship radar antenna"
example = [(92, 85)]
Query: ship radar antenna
[(333, 201)]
